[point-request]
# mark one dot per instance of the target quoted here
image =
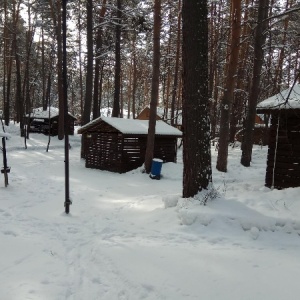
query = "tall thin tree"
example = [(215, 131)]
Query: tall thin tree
[(197, 173), (227, 99), (176, 71), (98, 63), (154, 86), (89, 69), (259, 40), (116, 104)]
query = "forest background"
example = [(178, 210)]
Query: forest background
[(253, 53)]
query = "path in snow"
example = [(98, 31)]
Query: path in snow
[(119, 242)]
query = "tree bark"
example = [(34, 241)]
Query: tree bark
[(89, 69), (154, 86), (56, 17), (259, 40), (279, 68), (197, 173), (79, 25), (7, 66), (96, 108), (116, 105), (134, 84), (227, 99), (243, 78), (19, 105), (175, 83)]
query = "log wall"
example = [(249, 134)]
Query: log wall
[(283, 163), (114, 152)]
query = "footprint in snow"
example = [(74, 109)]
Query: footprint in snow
[(9, 232), (123, 295)]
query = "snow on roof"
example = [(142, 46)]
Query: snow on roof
[(4, 134), (134, 126), (278, 101), (39, 113)]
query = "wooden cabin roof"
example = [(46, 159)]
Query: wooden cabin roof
[(130, 126), (160, 111), (288, 99)]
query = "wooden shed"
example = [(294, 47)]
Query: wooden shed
[(119, 145), (39, 121), (283, 162)]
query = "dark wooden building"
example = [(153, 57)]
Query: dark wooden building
[(119, 145), (259, 132), (39, 121), (283, 162)]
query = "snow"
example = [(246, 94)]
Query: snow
[(130, 237), (4, 134), (39, 113), (278, 101), (134, 126)]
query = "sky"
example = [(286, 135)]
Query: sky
[(130, 237)]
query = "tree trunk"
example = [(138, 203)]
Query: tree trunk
[(18, 92), (101, 85), (19, 99), (279, 68), (89, 69), (79, 25), (96, 108), (129, 88), (197, 173), (154, 86), (216, 73), (242, 84), (116, 105), (134, 84), (7, 110), (175, 83), (229, 85), (259, 40), (56, 17), (45, 103), (7, 66)]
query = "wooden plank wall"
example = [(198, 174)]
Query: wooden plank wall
[(283, 164), (165, 149), (114, 152), (134, 149), (43, 126), (103, 151)]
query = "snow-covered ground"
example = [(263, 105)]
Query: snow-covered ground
[(130, 237)]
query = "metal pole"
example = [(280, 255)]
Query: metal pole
[(68, 202), (5, 168)]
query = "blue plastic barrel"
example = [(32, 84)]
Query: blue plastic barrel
[(156, 168)]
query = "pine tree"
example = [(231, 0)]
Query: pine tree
[(197, 173)]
